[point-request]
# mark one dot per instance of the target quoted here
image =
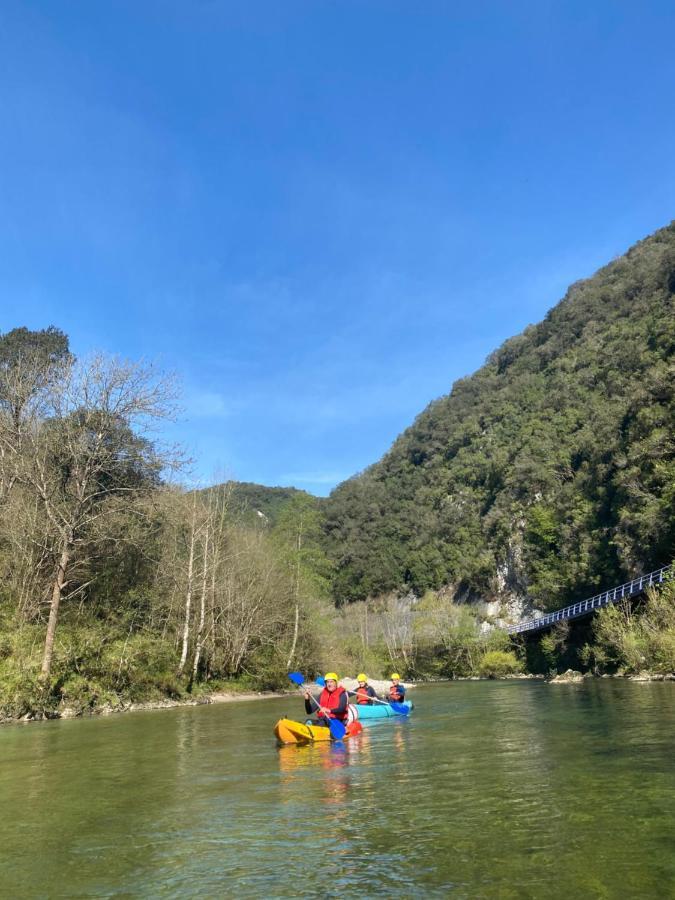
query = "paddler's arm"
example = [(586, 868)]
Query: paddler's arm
[(309, 706)]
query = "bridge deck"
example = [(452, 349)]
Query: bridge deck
[(583, 607)]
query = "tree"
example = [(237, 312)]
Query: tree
[(189, 588), (298, 535), (31, 363), (88, 450)]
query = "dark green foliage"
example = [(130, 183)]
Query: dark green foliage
[(29, 361), (49, 345), (562, 647), (559, 452)]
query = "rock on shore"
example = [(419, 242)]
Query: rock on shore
[(569, 677)]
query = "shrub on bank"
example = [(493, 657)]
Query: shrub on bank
[(22, 693), (636, 639), (81, 694), (499, 663)]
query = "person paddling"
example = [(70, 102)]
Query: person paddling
[(332, 702), (364, 692), (396, 689)]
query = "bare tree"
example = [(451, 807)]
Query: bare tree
[(189, 586), (214, 531), (199, 637), (397, 628), (296, 621)]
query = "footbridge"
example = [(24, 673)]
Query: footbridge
[(606, 598)]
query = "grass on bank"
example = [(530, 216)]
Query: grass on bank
[(93, 668)]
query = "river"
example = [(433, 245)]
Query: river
[(512, 789)]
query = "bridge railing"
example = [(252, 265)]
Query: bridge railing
[(583, 607)]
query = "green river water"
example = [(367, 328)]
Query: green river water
[(490, 789)]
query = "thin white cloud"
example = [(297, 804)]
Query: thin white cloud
[(313, 477), (208, 405)]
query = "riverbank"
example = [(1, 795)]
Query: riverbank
[(123, 707), (571, 676), (204, 699)]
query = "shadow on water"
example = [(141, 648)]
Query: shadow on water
[(505, 789)]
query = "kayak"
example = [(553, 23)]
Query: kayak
[(378, 710), (290, 732)]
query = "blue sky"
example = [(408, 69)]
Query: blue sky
[(319, 214)]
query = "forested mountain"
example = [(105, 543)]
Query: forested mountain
[(548, 472)]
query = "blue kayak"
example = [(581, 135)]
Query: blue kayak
[(379, 710)]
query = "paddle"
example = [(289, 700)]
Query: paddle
[(337, 729), (399, 708)]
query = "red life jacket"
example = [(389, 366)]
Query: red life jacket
[(362, 695), (395, 694), (331, 700)]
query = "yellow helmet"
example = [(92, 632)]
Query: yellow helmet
[(395, 675), (362, 677), (331, 676)]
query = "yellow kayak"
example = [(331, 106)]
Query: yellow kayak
[(291, 732)]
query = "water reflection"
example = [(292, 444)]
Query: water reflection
[(330, 762), (324, 754)]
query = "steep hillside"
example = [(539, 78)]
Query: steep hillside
[(548, 472)]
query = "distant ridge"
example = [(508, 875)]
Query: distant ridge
[(251, 503)]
